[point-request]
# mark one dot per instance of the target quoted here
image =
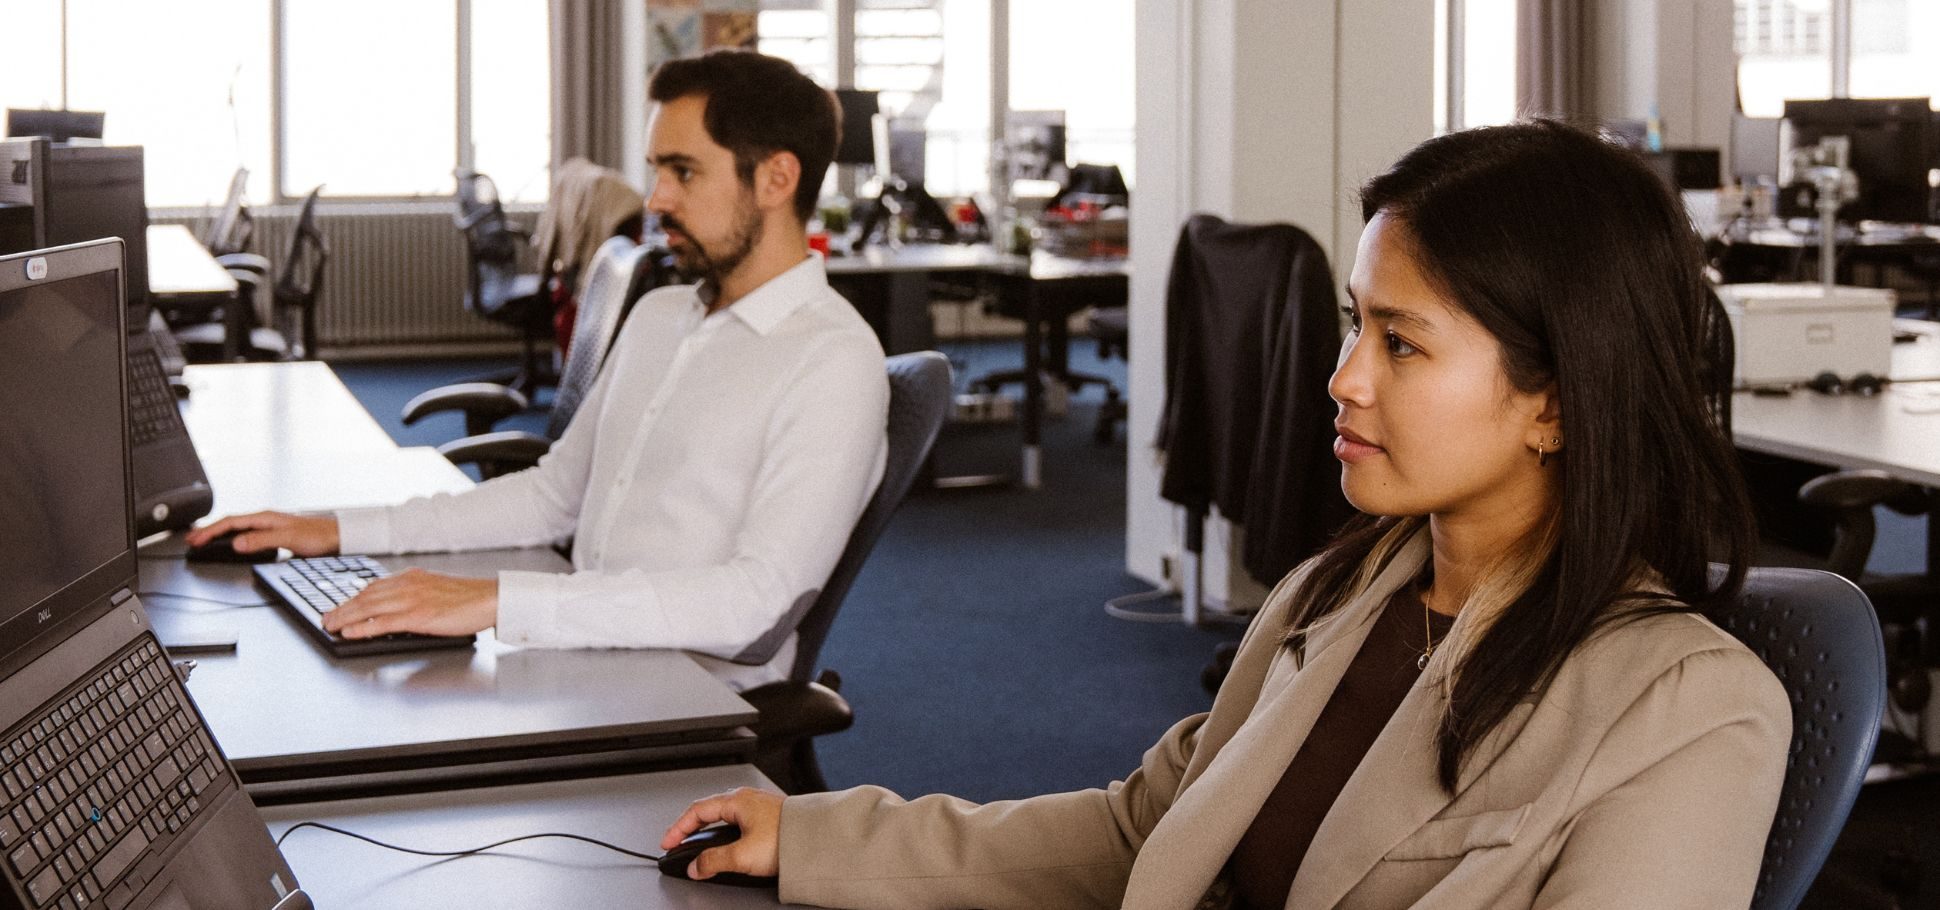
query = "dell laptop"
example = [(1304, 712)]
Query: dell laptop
[(113, 793)]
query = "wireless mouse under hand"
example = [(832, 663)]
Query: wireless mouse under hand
[(675, 863), (223, 549)]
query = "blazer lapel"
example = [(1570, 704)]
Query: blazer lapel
[(1389, 796), (1191, 844), (1395, 790)]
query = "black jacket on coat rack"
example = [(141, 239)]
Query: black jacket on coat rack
[(1252, 337)]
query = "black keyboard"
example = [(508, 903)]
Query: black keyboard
[(313, 586), (152, 411), (102, 777)]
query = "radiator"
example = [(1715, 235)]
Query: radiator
[(396, 276)]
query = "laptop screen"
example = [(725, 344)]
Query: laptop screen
[(65, 513)]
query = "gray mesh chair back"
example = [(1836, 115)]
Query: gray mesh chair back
[(594, 327), (1818, 634), (920, 393)]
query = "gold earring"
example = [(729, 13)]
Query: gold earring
[(1542, 456)]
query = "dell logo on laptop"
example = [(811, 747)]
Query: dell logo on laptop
[(44, 615), (37, 268)]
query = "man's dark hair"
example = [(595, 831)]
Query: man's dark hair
[(758, 105)]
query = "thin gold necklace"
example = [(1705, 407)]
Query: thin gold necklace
[(1427, 630)]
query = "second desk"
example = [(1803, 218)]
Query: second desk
[(302, 725)]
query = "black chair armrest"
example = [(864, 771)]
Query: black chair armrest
[(792, 710), (483, 404), (1863, 488), (497, 453), (248, 262)]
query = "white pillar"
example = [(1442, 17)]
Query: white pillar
[(1254, 110)]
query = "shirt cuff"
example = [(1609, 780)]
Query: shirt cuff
[(364, 531), (527, 603)]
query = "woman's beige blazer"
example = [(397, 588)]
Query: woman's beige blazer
[(1646, 776)]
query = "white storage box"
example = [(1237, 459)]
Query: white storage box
[(1790, 332)]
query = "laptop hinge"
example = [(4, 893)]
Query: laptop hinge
[(121, 596)]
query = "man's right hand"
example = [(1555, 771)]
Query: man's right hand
[(304, 535)]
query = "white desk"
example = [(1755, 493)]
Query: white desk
[(299, 724), (1897, 431), (179, 267), (631, 811)]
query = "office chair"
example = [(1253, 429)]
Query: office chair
[(1817, 633), (292, 304), (499, 291), (796, 710), (621, 272), (1908, 603), (1111, 327), (232, 228)]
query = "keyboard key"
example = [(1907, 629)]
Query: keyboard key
[(45, 887), (121, 856)]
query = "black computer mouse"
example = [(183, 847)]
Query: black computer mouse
[(676, 861), (223, 549)]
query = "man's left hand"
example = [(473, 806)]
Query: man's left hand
[(418, 601)]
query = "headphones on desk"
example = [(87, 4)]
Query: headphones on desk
[(1829, 383)]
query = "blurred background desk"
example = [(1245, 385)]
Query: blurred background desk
[(891, 287)]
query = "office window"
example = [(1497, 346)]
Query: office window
[(188, 81), (801, 32), (511, 97), (1078, 57), (931, 61), (30, 69), (369, 111), (1896, 49), (1488, 62), (1784, 51)]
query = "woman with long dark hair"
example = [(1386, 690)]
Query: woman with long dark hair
[(1498, 687)]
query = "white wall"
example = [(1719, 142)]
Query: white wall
[(1674, 53), (1255, 110)]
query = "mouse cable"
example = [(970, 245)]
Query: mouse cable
[(469, 852), (231, 604)]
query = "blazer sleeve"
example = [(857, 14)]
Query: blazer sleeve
[(869, 848), (1677, 800)]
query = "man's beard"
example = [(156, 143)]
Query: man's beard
[(695, 262)]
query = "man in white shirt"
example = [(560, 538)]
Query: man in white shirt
[(713, 474)]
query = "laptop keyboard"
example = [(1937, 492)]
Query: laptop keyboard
[(101, 778), (151, 404), (324, 582)]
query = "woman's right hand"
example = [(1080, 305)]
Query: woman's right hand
[(758, 852), (304, 535)]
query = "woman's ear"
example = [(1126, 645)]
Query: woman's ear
[(1546, 430)]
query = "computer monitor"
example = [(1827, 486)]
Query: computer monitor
[(858, 143), (907, 152), (79, 193), (1754, 148), (59, 126), (1036, 143), (65, 507), (1890, 155)]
